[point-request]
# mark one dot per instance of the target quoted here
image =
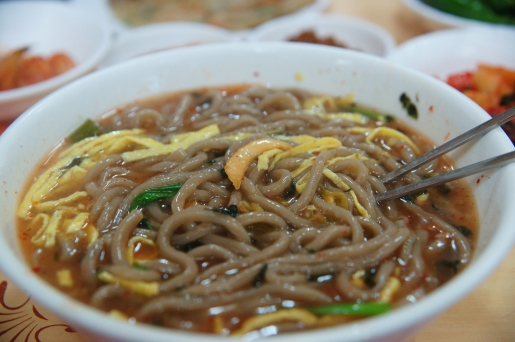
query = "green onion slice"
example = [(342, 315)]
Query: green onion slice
[(151, 195), (88, 129), (356, 309)]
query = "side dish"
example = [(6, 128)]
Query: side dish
[(233, 14), (19, 69), (492, 87), (492, 11), (310, 36)]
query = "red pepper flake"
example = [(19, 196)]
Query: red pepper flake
[(431, 109), (447, 136), (256, 74), (478, 181), (36, 269)]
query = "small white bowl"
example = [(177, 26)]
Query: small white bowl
[(158, 37), (451, 51), (355, 33), (376, 82), (434, 19), (48, 27), (103, 9)]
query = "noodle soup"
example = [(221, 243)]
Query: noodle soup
[(243, 210)]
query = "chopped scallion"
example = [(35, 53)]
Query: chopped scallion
[(151, 195), (355, 309), (87, 130)]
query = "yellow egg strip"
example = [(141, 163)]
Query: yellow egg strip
[(77, 223), (45, 236), (298, 139), (132, 243), (295, 314), (55, 178), (315, 146), (132, 143), (264, 158), (64, 277), (52, 205), (204, 133), (306, 164), (319, 104), (392, 133), (352, 117), (391, 286), (116, 314), (342, 185), (360, 130), (236, 137), (143, 288), (91, 146), (240, 161)]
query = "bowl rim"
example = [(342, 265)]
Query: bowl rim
[(88, 64), (412, 315), (476, 38), (324, 19)]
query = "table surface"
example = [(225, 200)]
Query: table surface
[(487, 314)]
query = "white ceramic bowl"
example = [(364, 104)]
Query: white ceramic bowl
[(375, 82), (434, 19), (456, 50), (48, 27), (353, 32), (103, 9), (158, 37)]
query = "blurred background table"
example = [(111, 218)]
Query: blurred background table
[(488, 314)]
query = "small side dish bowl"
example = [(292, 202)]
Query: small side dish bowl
[(158, 37), (46, 28), (455, 50), (354, 33), (375, 82)]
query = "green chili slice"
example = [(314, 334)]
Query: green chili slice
[(88, 129), (354, 309), (152, 195)]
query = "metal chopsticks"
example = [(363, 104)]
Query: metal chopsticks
[(476, 132)]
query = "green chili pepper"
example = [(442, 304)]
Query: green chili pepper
[(88, 129), (354, 309), (152, 195), (471, 9)]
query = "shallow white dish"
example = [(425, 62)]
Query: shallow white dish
[(353, 32), (103, 9), (450, 51), (435, 19), (376, 83), (158, 37), (48, 27)]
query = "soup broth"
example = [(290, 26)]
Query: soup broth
[(243, 210)]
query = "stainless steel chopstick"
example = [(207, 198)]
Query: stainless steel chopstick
[(479, 167), (452, 144)]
